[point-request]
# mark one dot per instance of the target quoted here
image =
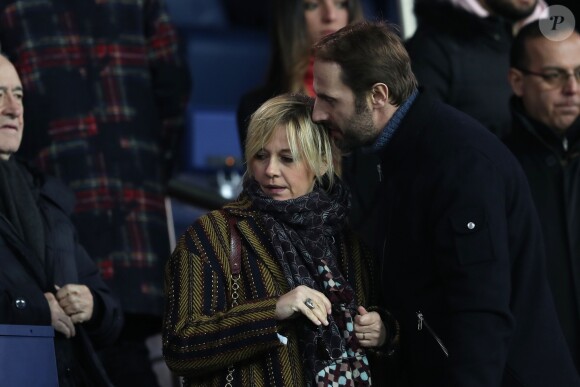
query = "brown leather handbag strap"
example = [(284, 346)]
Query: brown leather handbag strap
[(236, 247)]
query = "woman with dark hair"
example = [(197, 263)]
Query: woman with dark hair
[(298, 24), (274, 289)]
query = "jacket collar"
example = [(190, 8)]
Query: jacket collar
[(467, 19), (475, 8), (410, 129), (391, 128), (559, 144)]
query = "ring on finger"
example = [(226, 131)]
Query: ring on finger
[(308, 302)]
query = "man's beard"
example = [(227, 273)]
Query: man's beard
[(508, 10), (358, 130)]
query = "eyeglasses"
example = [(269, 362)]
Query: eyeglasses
[(555, 77)]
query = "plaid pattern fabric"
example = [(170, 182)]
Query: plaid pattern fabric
[(105, 94)]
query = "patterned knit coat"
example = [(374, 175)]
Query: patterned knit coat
[(104, 99), (203, 334)]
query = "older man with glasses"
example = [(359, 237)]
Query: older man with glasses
[(545, 79)]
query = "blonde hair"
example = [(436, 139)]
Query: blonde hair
[(309, 142)]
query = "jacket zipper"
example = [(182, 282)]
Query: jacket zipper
[(420, 322)]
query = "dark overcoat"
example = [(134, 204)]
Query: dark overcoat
[(552, 165), (204, 334), (460, 246), (463, 59), (24, 279)]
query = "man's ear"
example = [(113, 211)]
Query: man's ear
[(379, 95), (516, 80)]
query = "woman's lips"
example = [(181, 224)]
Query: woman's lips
[(327, 32), (274, 188)]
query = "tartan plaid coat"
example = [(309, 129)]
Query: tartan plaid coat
[(105, 93), (203, 334)]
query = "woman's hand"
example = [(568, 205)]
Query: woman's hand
[(369, 328), (295, 302)]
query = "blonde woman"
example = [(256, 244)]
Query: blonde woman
[(297, 314)]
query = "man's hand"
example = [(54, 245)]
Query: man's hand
[(60, 321), (369, 328), (76, 301)]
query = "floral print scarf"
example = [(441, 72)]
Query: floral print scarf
[(306, 235)]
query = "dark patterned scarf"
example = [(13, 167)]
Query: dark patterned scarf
[(18, 205), (306, 234)]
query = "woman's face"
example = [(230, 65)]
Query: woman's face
[(278, 174), (324, 17)]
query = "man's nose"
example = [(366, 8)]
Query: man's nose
[(571, 85), (12, 106), (318, 114)]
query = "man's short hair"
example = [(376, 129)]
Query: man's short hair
[(369, 53), (519, 58)]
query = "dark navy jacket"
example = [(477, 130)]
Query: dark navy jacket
[(464, 60), (460, 244), (24, 279), (552, 167)]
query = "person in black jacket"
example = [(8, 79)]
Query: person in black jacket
[(458, 237), (545, 78), (46, 277), (460, 51)]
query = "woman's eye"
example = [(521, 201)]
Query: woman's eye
[(287, 159), (260, 156), (310, 6)]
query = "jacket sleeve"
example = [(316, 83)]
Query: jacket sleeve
[(75, 265), (170, 77), (202, 332), (107, 320), (470, 208), (362, 269)]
